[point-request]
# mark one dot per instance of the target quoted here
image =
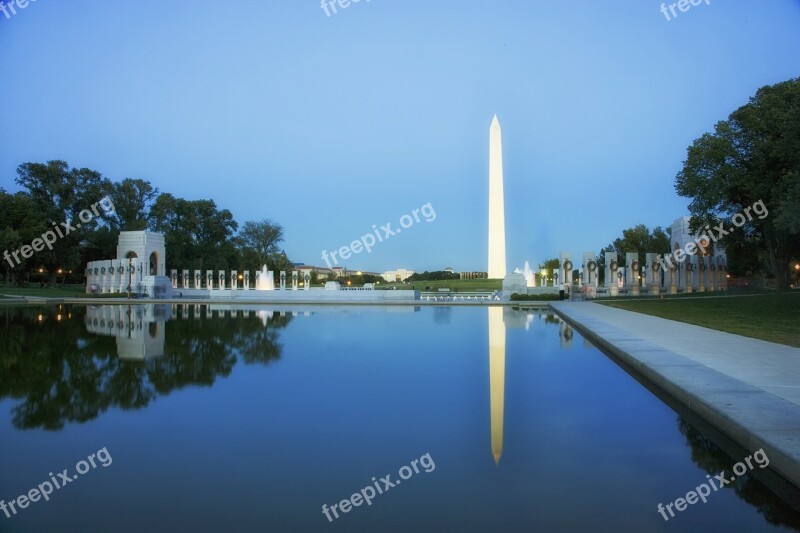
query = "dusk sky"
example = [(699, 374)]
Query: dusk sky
[(333, 124)]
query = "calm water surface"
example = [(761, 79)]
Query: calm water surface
[(250, 419)]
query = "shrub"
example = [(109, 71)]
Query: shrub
[(516, 297)]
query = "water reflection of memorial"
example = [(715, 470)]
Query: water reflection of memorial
[(138, 329), (71, 364)]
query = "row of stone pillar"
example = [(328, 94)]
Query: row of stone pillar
[(710, 274), (188, 281), (108, 277)]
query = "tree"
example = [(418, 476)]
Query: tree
[(21, 222), (437, 275), (360, 279), (640, 239), (280, 263), (752, 157), (60, 194), (259, 240), (10, 239), (197, 234), (551, 266), (132, 199)]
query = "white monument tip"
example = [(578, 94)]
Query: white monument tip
[(497, 225)]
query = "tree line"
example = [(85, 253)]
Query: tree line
[(752, 157), (198, 234)]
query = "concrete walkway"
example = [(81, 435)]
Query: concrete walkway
[(747, 388)]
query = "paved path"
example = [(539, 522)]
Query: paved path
[(747, 388)]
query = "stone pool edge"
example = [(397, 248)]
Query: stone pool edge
[(749, 416)]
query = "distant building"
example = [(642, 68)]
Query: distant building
[(397, 275), (335, 272), (473, 275), (323, 273), (365, 273)]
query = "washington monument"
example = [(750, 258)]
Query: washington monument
[(497, 217)]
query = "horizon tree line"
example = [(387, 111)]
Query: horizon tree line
[(198, 234)]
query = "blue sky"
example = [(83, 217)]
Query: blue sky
[(330, 124)]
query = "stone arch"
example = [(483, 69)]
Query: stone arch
[(153, 264)]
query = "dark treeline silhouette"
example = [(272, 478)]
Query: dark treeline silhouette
[(198, 234)]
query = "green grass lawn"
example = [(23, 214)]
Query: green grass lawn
[(455, 285), (67, 291), (771, 317), (695, 294)]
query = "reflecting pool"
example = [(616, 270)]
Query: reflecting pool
[(220, 418)]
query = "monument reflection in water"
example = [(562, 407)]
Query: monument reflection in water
[(497, 377), (225, 417), (499, 319)]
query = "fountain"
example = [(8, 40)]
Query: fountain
[(265, 281), (530, 278)]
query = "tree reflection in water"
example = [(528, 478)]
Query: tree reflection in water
[(54, 361), (713, 460)]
